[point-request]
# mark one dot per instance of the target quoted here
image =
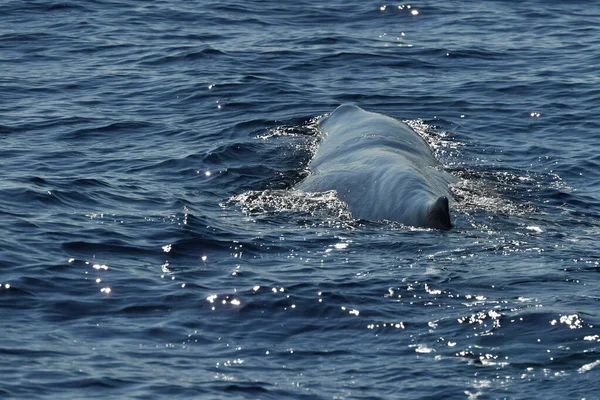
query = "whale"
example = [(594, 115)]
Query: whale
[(381, 168)]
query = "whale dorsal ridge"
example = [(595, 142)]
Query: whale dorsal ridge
[(439, 214)]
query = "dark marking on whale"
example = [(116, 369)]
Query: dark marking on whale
[(381, 168)]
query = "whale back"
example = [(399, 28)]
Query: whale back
[(381, 168), (349, 127)]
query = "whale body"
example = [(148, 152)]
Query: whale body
[(381, 168)]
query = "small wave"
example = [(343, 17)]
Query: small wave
[(440, 141), (267, 201), (308, 128), (113, 246), (183, 55), (483, 191), (111, 127)]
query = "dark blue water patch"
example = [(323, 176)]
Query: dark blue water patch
[(40, 122), (114, 113), (13, 7)]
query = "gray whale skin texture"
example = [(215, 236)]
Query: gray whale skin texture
[(381, 168)]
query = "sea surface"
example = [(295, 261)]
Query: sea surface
[(152, 246)]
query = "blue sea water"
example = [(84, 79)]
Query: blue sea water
[(151, 247)]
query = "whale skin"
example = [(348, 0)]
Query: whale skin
[(381, 168)]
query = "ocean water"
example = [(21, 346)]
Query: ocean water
[(151, 246)]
